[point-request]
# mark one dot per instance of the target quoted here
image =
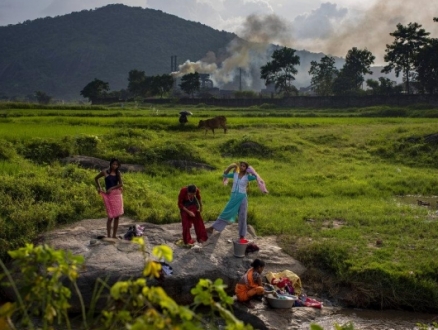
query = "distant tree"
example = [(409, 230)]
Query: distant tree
[(402, 53), (190, 83), (426, 64), (324, 73), (95, 90), (383, 86), (161, 84), (281, 70), (42, 97), (351, 76), (138, 83), (373, 85)]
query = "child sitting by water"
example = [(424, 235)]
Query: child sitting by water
[(250, 284)]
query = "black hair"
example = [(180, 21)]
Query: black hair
[(112, 161), (258, 263), (243, 162), (191, 188)]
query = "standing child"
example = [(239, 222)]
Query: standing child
[(238, 203), (112, 196)]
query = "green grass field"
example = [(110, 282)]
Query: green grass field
[(334, 178)]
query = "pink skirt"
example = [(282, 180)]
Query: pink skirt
[(113, 203)]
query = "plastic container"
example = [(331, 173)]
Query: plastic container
[(240, 248)]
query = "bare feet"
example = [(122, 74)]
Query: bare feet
[(209, 231)]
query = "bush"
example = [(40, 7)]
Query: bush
[(87, 144), (7, 150), (46, 151), (245, 148)]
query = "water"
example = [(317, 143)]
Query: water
[(375, 320), (431, 202)]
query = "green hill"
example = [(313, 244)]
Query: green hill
[(61, 55)]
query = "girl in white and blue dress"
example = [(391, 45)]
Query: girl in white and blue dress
[(238, 203)]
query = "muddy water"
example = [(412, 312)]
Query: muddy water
[(431, 202), (373, 320)]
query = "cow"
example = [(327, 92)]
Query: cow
[(212, 123)]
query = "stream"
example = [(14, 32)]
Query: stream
[(373, 320), (388, 319)]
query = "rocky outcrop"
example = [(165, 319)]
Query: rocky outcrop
[(99, 164), (115, 259)]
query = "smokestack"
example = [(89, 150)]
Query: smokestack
[(173, 66)]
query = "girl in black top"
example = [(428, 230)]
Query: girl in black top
[(112, 196)]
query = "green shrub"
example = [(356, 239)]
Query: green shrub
[(46, 151), (86, 144), (245, 148), (7, 150)]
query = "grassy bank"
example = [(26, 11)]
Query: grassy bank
[(334, 180)]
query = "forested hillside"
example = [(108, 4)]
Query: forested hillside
[(61, 55)]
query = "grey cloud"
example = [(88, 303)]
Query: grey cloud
[(240, 8), (318, 23), (188, 9), (17, 11), (225, 15)]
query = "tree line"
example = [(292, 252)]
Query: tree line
[(413, 54)]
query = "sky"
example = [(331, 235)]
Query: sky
[(331, 27)]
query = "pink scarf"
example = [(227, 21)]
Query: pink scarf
[(260, 181)]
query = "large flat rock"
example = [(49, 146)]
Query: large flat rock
[(115, 259)]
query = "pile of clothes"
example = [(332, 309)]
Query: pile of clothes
[(287, 283), (134, 231)]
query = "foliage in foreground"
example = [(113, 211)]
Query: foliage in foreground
[(41, 295)]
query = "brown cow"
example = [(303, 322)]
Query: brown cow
[(216, 122)]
